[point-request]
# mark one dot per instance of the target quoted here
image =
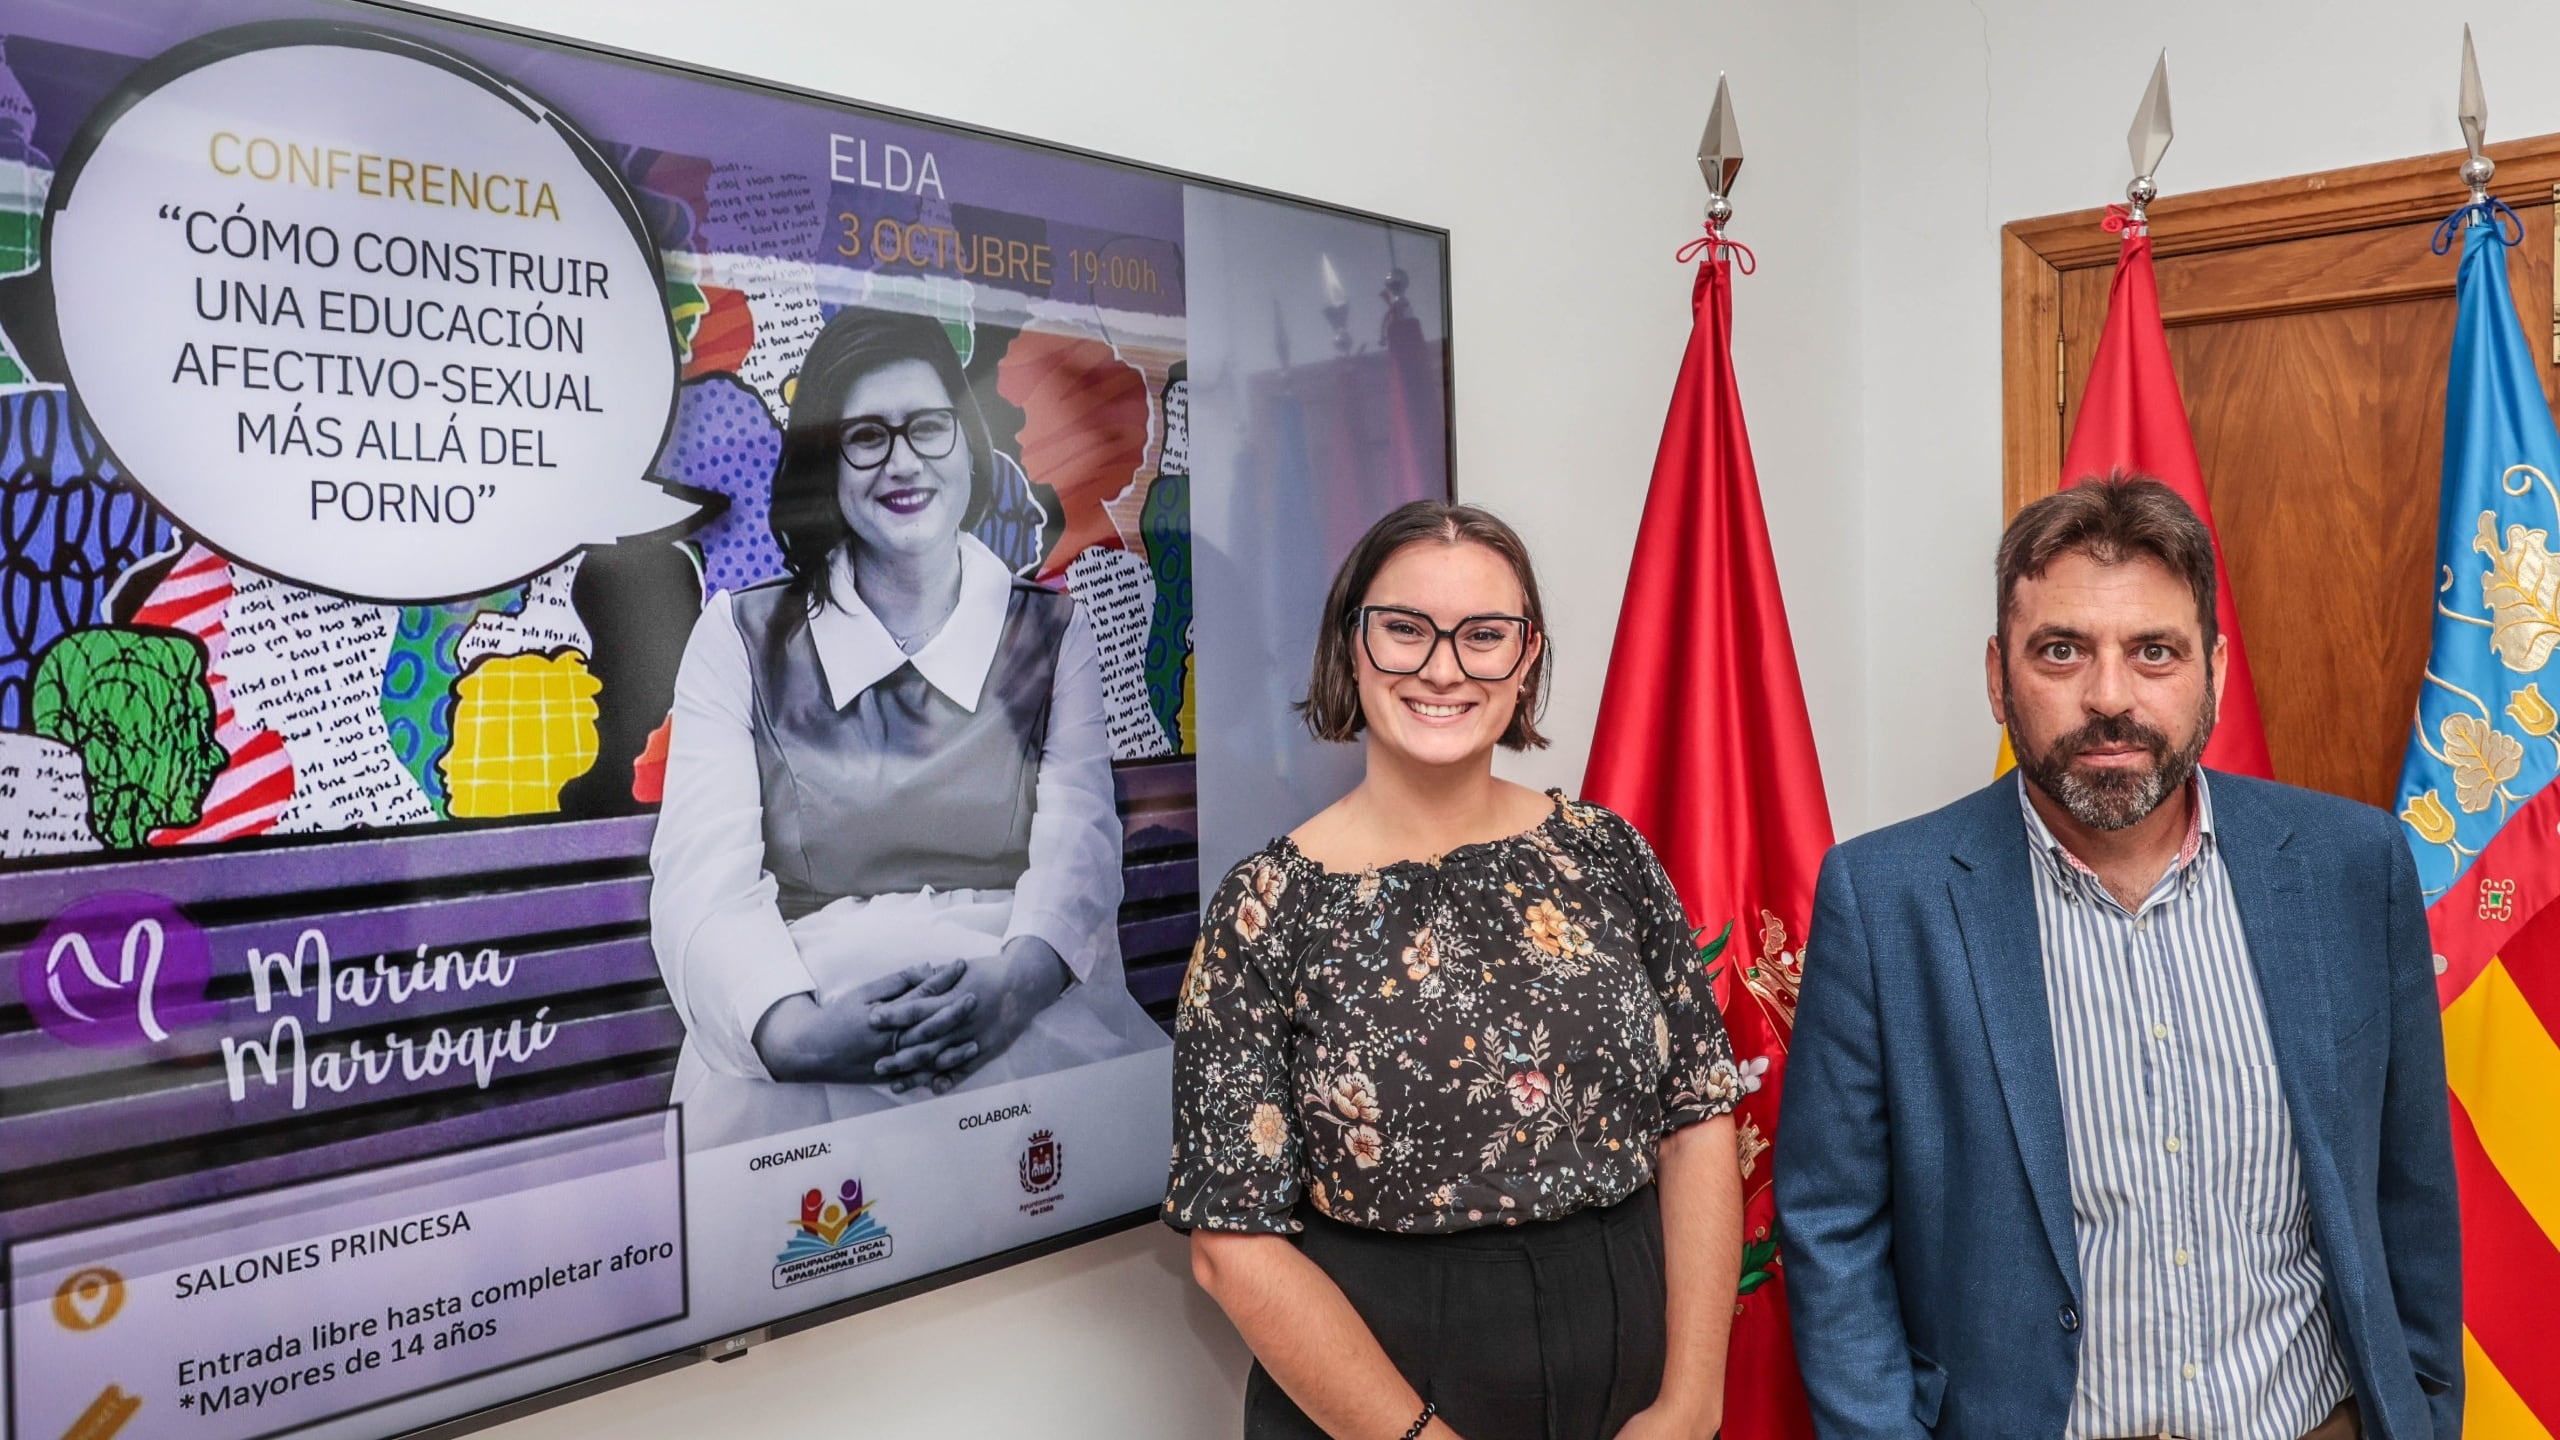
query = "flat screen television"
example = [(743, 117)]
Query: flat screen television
[(617, 688)]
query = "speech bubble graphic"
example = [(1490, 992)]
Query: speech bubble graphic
[(362, 316)]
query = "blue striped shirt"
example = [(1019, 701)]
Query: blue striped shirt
[(2202, 1312)]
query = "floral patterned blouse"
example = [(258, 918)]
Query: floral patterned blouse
[(1501, 1035)]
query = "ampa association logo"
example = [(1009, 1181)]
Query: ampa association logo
[(116, 971), (832, 1235)]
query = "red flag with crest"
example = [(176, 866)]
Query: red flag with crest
[(1704, 744)]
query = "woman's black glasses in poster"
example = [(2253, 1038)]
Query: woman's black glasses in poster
[(1400, 641), (866, 440)]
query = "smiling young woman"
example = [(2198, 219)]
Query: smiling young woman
[(1451, 1095)]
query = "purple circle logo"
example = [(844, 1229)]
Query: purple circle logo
[(115, 971)]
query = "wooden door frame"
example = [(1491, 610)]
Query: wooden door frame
[(2035, 253)]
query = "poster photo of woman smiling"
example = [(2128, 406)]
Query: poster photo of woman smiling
[(888, 862)]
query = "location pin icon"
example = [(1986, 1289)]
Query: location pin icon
[(89, 1299)]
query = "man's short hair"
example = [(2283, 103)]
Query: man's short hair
[(2111, 519)]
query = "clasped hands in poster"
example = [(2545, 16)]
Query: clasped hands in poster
[(925, 1024)]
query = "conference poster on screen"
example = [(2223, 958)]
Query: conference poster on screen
[(420, 753)]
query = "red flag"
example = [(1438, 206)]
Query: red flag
[(2132, 418), (1703, 743)]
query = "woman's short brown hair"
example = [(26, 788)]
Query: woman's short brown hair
[(2111, 519), (1332, 706)]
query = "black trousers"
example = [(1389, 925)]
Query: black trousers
[(1551, 1330)]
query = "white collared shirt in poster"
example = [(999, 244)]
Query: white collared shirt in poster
[(723, 946)]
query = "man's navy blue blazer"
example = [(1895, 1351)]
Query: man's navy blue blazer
[(1924, 1197)]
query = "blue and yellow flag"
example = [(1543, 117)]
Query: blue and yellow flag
[(2480, 811)]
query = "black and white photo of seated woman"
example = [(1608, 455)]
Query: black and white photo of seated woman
[(888, 860)]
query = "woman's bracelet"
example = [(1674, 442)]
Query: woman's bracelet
[(1422, 1421)]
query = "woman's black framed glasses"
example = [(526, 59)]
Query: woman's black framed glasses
[(867, 440), (1401, 642)]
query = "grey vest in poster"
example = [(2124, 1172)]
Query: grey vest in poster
[(901, 789)]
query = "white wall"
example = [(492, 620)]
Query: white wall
[(1973, 113), (1555, 141)]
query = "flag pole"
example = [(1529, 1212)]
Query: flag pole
[(2131, 418), (1703, 743), (2488, 869), (2148, 141)]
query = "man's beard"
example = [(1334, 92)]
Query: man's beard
[(2113, 799)]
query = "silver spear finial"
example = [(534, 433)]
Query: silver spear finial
[(2148, 140), (1720, 155), (2477, 168)]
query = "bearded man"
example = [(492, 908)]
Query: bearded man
[(2116, 1103)]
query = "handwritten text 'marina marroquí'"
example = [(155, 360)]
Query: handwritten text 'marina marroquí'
[(310, 975)]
